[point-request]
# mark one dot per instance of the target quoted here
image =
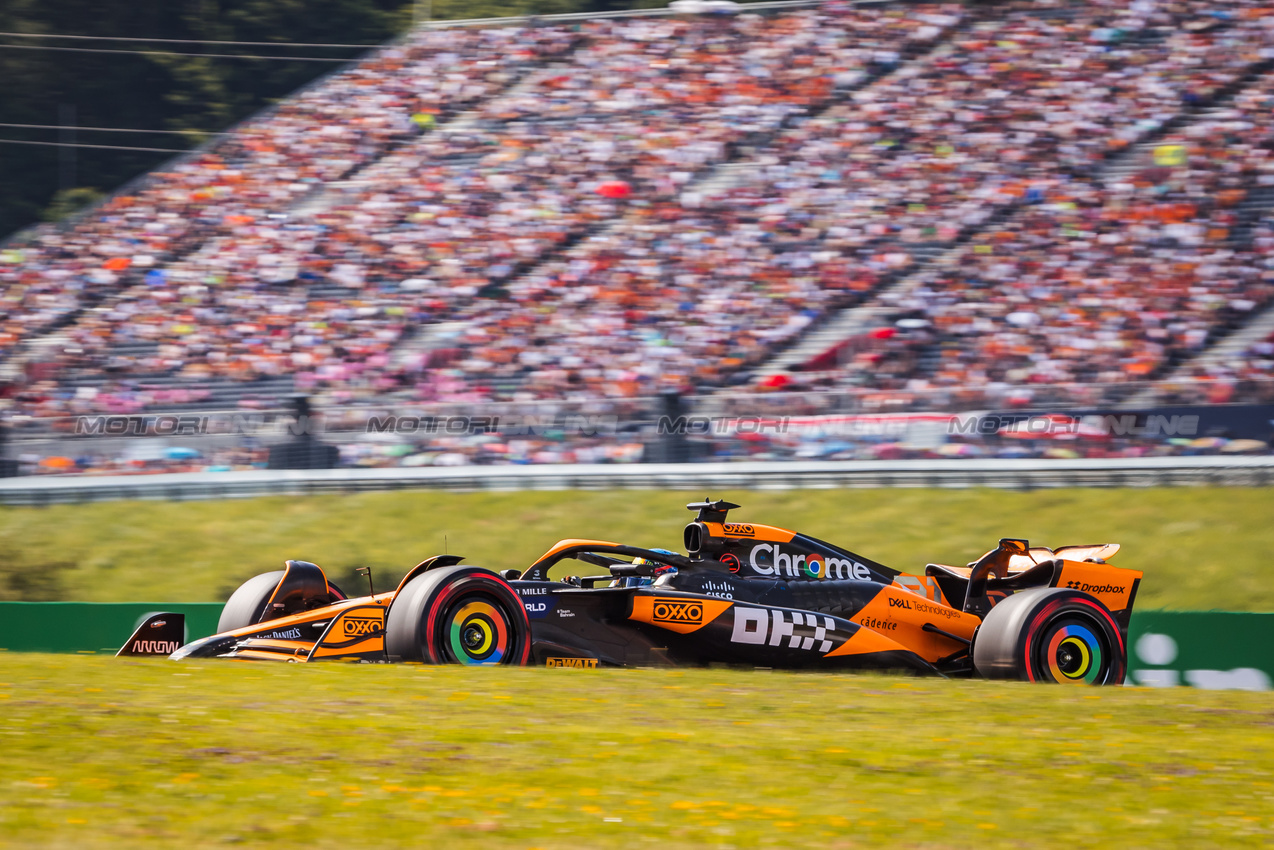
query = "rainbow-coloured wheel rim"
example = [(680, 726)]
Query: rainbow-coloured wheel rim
[(477, 633), (1073, 655)]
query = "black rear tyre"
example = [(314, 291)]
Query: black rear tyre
[(1051, 634), (458, 615)]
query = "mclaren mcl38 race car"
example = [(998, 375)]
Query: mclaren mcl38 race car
[(744, 594)]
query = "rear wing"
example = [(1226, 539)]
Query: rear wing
[(158, 635)]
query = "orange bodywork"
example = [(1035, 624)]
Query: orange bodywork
[(350, 629), (677, 614), (1112, 585), (749, 531), (901, 615), (1083, 569), (865, 642), (562, 545)]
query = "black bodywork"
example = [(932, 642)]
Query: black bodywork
[(752, 620)]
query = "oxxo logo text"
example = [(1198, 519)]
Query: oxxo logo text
[(771, 560), (156, 647), (738, 529), (761, 626), (677, 611), (1094, 588), (359, 626), (578, 663)]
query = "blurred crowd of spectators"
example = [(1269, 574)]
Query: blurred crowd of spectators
[(522, 214), (262, 167), (1246, 377), (1096, 283), (693, 290), (327, 295)]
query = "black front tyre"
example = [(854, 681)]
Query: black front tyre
[(458, 615), (246, 606), (1051, 634)]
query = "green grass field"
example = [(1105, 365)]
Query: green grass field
[(105, 752), (1200, 548)]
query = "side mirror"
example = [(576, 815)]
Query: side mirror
[(625, 570), (1014, 544)]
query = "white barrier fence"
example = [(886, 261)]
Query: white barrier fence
[(701, 478), (658, 11)]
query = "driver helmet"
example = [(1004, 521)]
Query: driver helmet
[(641, 581)]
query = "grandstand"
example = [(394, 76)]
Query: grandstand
[(1097, 282), (899, 206)]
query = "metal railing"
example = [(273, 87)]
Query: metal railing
[(1023, 474), (664, 11)]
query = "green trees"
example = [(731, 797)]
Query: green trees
[(191, 94)]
